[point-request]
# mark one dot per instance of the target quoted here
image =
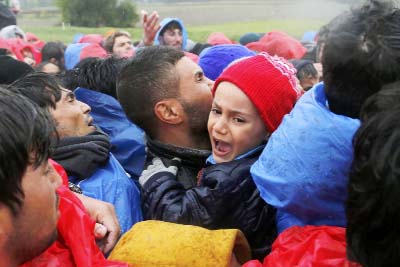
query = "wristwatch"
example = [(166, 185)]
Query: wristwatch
[(74, 188)]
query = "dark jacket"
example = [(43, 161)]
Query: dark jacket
[(225, 198), (192, 160)]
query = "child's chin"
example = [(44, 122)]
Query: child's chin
[(221, 159)]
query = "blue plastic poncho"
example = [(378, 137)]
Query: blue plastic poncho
[(111, 184), (127, 139), (303, 170), (165, 22)]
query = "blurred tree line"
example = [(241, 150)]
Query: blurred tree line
[(98, 13)]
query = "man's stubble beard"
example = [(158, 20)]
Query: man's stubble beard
[(198, 117)]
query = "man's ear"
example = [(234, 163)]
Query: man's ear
[(169, 111)]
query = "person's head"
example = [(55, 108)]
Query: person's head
[(119, 44), (172, 33), (28, 182), (54, 53), (97, 74), (161, 89), (12, 31), (249, 38), (373, 206), (48, 67), (250, 99), (215, 59), (306, 73), (360, 54), (70, 115), (77, 52), (12, 69)]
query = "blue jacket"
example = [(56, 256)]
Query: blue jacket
[(226, 197), (126, 138), (111, 184), (303, 170), (164, 23)]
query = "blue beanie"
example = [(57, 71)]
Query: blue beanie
[(215, 59)]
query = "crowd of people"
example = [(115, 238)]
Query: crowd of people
[(265, 152)]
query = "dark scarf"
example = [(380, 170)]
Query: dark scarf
[(81, 156)]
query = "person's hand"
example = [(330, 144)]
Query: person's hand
[(150, 26), (107, 229), (156, 167)]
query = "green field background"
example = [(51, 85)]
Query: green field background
[(234, 18), (233, 30)]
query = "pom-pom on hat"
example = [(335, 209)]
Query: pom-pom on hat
[(215, 59), (269, 82)]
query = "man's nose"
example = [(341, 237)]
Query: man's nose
[(85, 107)]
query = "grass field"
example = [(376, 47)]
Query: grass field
[(234, 18), (197, 33)]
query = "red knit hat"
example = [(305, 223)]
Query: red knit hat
[(269, 82)]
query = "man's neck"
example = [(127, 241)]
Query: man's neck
[(184, 139)]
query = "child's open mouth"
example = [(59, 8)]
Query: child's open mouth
[(221, 148)]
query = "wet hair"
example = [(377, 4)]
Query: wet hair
[(387, 98), (147, 79), (173, 25), (361, 53), (110, 40), (305, 68), (39, 87), (25, 139), (54, 50), (373, 204), (97, 74)]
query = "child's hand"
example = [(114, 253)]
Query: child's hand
[(156, 167)]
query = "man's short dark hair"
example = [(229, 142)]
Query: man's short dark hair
[(110, 40), (97, 74), (150, 77), (25, 139), (373, 204), (361, 53), (39, 87), (173, 25)]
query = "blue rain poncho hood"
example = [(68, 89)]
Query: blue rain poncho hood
[(158, 39), (303, 170)]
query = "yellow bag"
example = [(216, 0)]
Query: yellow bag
[(163, 244)]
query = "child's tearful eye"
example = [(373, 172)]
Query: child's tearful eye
[(239, 120)]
